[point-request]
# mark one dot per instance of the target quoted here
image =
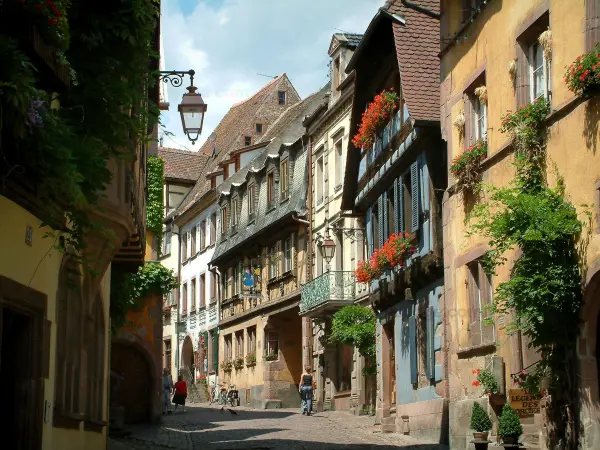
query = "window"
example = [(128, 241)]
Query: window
[(213, 287), (193, 295), (234, 215), (270, 190), (203, 235), (409, 199), (184, 247), (272, 343), (239, 341), (273, 260), (287, 254), (224, 292), (539, 72), (213, 228), (168, 354), (166, 243), (174, 196), (252, 339), (283, 174), (479, 118), (375, 225), (335, 76), (224, 219), (247, 141), (202, 291), (251, 200), (339, 165), (228, 348), (281, 97), (390, 212), (259, 128), (320, 182), (228, 282), (344, 373), (236, 280), (193, 243), (184, 299), (479, 286)]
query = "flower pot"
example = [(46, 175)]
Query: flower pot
[(483, 436), (497, 399), (510, 440)]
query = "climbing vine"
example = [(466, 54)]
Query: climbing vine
[(543, 293), (155, 205), (127, 289), (355, 325)]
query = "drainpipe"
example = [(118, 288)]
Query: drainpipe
[(305, 222), (307, 323), (172, 221)]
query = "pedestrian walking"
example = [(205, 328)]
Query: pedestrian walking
[(306, 391), (180, 391), (167, 389)]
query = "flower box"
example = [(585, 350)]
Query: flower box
[(226, 366), (466, 167), (378, 112), (394, 253), (251, 359), (238, 363), (271, 356), (583, 75)]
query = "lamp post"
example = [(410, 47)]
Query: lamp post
[(192, 107), (327, 249)]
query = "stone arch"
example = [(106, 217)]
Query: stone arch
[(187, 353), (136, 385)]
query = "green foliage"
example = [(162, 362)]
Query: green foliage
[(583, 75), (151, 278), (480, 421), (509, 423), (488, 381), (155, 211), (466, 167), (355, 325)]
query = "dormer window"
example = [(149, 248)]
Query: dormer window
[(259, 128), (283, 179), (247, 141), (251, 192), (336, 74), (224, 219), (270, 191), (234, 215), (281, 97)]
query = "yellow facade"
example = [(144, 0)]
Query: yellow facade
[(37, 266), (487, 46)]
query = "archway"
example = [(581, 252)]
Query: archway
[(134, 391), (187, 354)]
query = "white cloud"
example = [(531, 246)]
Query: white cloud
[(228, 43)]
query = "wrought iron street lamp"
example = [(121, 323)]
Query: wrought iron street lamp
[(327, 249), (192, 108)]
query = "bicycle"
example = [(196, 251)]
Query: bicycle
[(232, 395)]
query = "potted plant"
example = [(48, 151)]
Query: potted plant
[(251, 359), (583, 75), (487, 380), (226, 365), (480, 422), (271, 356), (509, 426), (466, 167), (238, 363)]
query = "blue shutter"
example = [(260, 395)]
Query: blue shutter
[(430, 343), (368, 227), (386, 135), (385, 216), (380, 220), (412, 345), (414, 194), (400, 205), (397, 223)]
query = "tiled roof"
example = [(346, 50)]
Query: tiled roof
[(352, 39), (182, 164), (417, 48), (287, 130), (227, 134)]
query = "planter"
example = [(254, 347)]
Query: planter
[(481, 436), (511, 440), (497, 399)]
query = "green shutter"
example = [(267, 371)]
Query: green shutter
[(414, 181), (380, 207), (400, 205), (216, 350), (412, 346), (430, 343)]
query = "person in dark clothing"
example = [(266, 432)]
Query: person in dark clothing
[(306, 391)]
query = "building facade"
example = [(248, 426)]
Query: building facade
[(397, 186), (497, 45), (261, 255), (340, 384)]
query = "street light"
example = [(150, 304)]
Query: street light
[(327, 249), (192, 108)]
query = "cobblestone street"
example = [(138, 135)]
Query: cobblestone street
[(202, 427)]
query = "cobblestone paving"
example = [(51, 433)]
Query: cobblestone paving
[(203, 427)]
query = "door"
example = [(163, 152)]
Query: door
[(135, 390)]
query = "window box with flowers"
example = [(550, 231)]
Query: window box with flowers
[(583, 75), (251, 359), (491, 388), (378, 113), (271, 356), (226, 366), (466, 167), (394, 253), (238, 363)]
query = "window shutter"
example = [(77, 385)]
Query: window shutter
[(385, 216), (412, 338), (215, 360), (468, 112), (485, 292), (293, 254), (397, 221), (592, 24), (415, 195), (368, 227), (474, 311), (522, 81), (430, 343), (400, 205), (380, 206)]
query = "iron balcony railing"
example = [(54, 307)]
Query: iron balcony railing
[(331, 286)]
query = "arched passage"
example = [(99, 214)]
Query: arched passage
[(134, 392), (187, 354)]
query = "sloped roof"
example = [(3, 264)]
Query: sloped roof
[(352, 39), (182, 164), (226, 135)]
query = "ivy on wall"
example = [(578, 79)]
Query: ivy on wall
[(127, 289), (355, 325), (155, 204), (543, 293)]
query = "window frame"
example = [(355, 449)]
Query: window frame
[(273, 261), (479, 118), (228, 347), (545, 68), (287, 254), (474, 289), (193, 241), (239, 344), (202, 235), (284, 179), (320, 180), (281, 97), (234, 214), (192, 295), (251, 343), (224, 220), (339, 156), (270, 190), (259, 127), (272, 336), (184, 299), (184, 248), (251, 194), (213, 228), (247, 141), (166, 243), (202, 291)]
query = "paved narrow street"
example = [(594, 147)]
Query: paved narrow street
[(202, 427)]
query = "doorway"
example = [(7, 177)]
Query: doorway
[(135, 393), (389, 333), (19, 392)]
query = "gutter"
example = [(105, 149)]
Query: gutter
[(305, 222), (421, 9)]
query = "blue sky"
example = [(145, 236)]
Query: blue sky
[(229, 42)]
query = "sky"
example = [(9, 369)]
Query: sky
[(230, 42)]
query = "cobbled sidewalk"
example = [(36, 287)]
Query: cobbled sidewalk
[(206, 428)]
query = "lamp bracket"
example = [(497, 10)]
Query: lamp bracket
[(175, 77), (350, 233)]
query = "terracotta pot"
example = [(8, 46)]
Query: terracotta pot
[(481, 436), (510, 439)]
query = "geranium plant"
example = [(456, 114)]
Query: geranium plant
[(394, 253), (583, 74), (226, 365), (51, 20), (378, 112), (251, 359), (271, 356), (487, 380), (466, 167), (238, 363)]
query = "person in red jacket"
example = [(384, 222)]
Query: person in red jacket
[(180, 390)]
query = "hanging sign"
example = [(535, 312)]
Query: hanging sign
[(252, 281), (523, 403)]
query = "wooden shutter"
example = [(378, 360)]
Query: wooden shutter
[(468, 113), (368, 227), (522, 81), (592, 24), (380, 206), (430, 343), (400, 205), (384, 214), (412, 343), (215, 344), (397, 209), (474, 309), (415, 194), (485, 294)]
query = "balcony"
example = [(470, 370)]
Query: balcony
[(327, 293)]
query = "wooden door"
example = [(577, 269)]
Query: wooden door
[(135, 390)]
